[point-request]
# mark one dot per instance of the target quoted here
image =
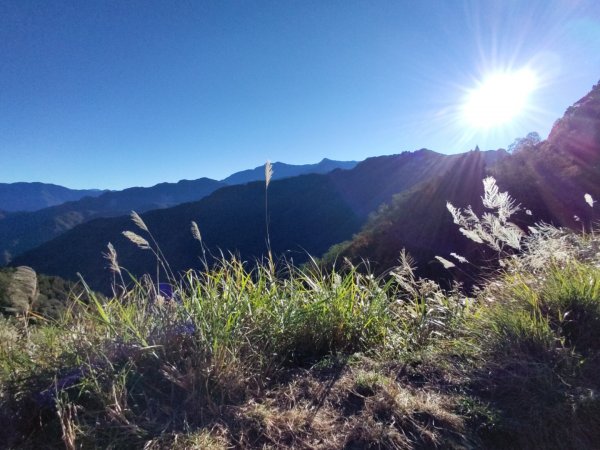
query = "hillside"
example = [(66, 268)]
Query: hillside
[(307, 214), (35, 196), (283, 170), (550, 179)]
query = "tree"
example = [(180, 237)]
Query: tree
[(528, 141)]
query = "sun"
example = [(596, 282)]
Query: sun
[(499, 98)]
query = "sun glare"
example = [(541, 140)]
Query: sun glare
[(499, 98)]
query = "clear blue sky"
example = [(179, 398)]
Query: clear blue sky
[(112, 94)]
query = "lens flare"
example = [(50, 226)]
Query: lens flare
[(499, 99)]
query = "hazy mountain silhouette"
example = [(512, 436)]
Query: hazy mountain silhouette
[(283, 170), (35, 196), (22, 231)]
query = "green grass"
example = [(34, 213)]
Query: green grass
[(538, 351), (250, 357)]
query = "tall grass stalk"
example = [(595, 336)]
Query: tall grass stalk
[(268, 176)]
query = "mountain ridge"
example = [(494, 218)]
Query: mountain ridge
[(32, 196), (25, 230), (283, 170)]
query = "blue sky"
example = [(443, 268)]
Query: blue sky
[(112, 94)]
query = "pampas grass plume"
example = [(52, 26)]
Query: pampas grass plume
[(111, 256), (589, 200), (137, 240), (268, 173), (196, 231), (447, 264), (138, 221)]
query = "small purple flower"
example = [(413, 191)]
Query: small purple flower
[(166, 290), (186, 329), (47, 397)]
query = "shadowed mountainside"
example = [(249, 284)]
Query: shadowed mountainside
[(550, 179), (35, 196)]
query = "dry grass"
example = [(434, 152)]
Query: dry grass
[(336, 409)]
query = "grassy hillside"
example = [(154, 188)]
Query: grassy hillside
[(277, 355), (243, 357)]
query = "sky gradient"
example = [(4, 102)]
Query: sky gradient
[(113, 94)]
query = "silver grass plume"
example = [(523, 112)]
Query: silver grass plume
[(447, 264), (460, 259), (404, 273), (138, 221), (493, 228), (196, 231), (268, 173), (589, 200), (111, 256), (494, 199), (137, 240)]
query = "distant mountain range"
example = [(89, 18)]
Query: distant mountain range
[(283, 170), (34, 196), (372, 211), (25, 230)]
